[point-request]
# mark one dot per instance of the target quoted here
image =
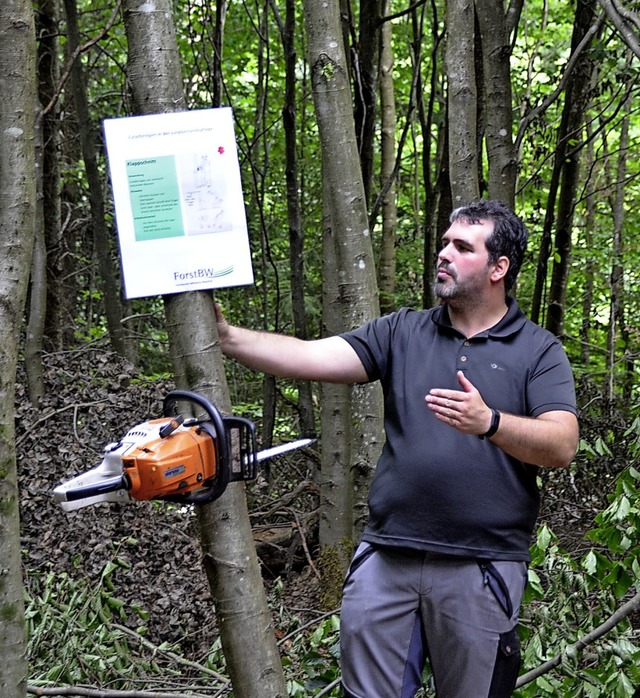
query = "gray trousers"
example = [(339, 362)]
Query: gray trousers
[(400, 607)]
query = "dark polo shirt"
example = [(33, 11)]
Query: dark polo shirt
[(436, 489)]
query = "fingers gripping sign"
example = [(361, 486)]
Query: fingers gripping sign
[(462, 409)]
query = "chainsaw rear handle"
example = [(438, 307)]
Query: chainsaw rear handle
[(218, 429)]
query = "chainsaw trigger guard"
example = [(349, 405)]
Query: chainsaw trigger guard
[(242, 432)]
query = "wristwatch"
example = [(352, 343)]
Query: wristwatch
[(495, 423)]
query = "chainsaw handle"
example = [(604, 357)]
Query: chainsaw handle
[(218, 433)]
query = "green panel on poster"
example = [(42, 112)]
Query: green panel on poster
[(155, 198)]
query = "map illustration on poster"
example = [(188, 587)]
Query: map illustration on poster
[(178, 202)]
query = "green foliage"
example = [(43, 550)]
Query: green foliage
[(570, 595), (77, 635), (311, 661), (71, 636), (563, 604), (285, 428), (310, 652)]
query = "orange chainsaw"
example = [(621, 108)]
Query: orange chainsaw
[(174, 459)]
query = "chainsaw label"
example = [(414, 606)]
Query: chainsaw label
[(174, 472)]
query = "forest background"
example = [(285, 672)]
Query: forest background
[(353, 153)]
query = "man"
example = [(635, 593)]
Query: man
[(477, 397)]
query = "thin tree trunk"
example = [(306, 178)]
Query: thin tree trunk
[(591, 267), (576, 103), (218, 82), (498, 109), (617, 315), (544, 251), (336, 486), (366, 68), (462, 100), (61, 201), (388, 125), (37, 295), (296, 232), (435, 165), (231, 562), (258, 152), (56, 261), (581, 40), (17, 228), (109, 274), (356, 281), (48, 196)]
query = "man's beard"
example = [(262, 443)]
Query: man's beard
[(462, 295)]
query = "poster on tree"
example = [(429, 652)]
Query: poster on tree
[(178, 202)]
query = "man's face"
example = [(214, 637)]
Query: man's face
[(463, 272)]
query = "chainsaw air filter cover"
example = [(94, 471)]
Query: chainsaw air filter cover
[(178, 463)]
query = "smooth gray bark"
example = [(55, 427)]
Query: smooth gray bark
[(231, 563), (17, 228), (356, 295)]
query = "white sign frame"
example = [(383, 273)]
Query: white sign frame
[(178, 202)]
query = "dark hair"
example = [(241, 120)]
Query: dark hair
[(509, 236)]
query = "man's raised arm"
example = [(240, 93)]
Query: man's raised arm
[(331, 360)]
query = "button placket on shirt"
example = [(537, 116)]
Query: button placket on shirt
[(464, 356)]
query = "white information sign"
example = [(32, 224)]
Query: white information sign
[(178, 202)]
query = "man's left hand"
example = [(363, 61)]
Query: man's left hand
[(464, 409)]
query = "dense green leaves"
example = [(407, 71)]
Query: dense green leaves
[(573, 594)]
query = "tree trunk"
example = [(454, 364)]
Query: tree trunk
[(258, 155), (388, 125), (17, 229), (336, 485), (218, 82), (544, 251), (576, 102), (37, 294), (561, 153), (296, 232), (366, 68), (109, 274), (617, 315), (355, 272), (435, 165), (48, 188), (591, 266), (231, 562), (462, 102), (497, 110), (61, 201)]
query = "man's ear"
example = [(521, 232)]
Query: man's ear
[(500, 268)]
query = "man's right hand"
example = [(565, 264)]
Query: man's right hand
[(223, 325), (331, 360)]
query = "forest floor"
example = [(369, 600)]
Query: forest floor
[(92, 400)]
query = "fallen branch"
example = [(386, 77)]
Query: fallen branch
[(305, 547), (172, 655), (285, 500), (50, 415), (624, 611), (99, 693)]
